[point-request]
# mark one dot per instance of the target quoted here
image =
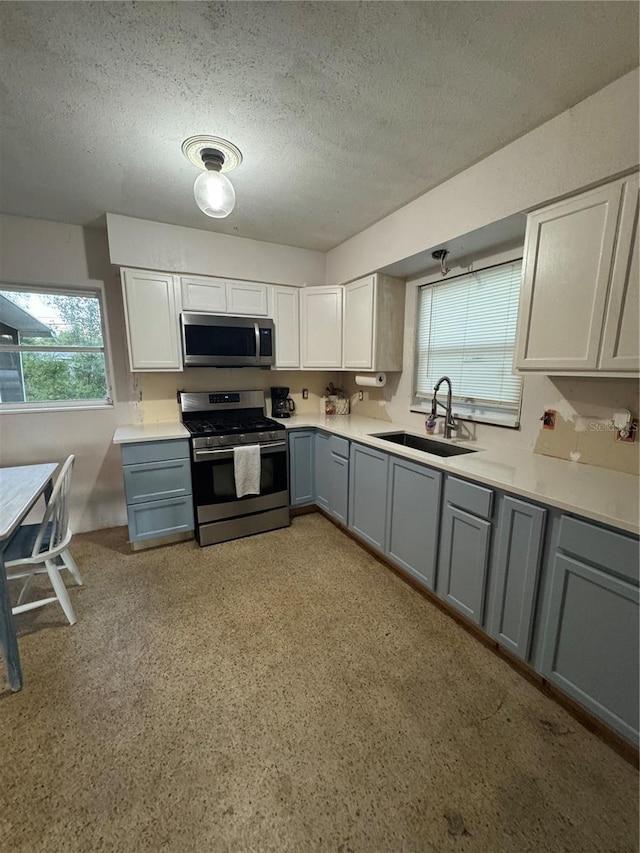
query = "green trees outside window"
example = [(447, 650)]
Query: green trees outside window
[(51, 347)]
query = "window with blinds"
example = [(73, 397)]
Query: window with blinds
[(466, 331)]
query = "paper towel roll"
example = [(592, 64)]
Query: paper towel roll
[(372, 380)]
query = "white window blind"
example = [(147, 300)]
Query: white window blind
[(466, 331)]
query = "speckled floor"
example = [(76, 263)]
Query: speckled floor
[(285, 692)]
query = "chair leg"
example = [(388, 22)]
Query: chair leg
[(70, 563), (61, 591), (23, 591)]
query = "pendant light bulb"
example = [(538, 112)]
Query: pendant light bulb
[(213, 191)]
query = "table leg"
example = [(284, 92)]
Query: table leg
[(8, 637)]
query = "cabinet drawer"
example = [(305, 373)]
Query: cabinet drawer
[(160, 518), (153, 481), (339, 446), (611, 551), (468, 496), (155, 451)]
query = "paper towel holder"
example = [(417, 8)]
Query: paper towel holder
[(371, 380)]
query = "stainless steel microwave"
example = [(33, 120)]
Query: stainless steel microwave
[(209, 340)]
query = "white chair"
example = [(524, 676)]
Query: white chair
[(35, 549)]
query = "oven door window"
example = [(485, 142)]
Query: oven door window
[(214, 481)]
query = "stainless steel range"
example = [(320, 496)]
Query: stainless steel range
[(218, 422)]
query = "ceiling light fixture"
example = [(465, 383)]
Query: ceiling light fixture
[(213, 191)]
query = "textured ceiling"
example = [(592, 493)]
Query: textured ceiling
[(343, 111)]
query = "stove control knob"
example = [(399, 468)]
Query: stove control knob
[(273, 435)]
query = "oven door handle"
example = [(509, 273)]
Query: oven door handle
[(203, 455), (256, 329)]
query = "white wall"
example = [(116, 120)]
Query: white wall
[(595, 140), (39, 252), (157, 246)]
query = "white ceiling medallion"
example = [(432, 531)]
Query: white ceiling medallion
[(193, 147), (213, 191)]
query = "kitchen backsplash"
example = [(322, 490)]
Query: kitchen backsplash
[(584, 408), (155, 393), (583, 426)]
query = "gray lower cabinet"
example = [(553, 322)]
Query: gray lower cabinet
[(157, 485), (332, 475), (590, 647), (323, 470), (515, 571), (301, 467), (465, 540), (339, 505), (413, 515), (368, 494)]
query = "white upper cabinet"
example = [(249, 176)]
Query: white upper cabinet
[(359, 324), (244, 297), (373, 329), (152, 313), (284, 310), (578, 269), (204, 294), (224, 296), (621, 341), (321, 327)]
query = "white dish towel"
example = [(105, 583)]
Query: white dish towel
[(246, 470)]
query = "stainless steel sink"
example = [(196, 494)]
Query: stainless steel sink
[(418, 442)]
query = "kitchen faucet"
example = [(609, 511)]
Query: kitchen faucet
[(449, 422)]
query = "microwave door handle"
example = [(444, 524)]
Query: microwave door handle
[(256, 329)]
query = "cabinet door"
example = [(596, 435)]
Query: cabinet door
[(413, 515), (591, 643), (321, 326), (152, 481), (359, 324), (368, 494), (323, 470), (339, 487), (464, 555), (621, 341), (285, 312), (246, 298), (515, 575), (302, 465), (152, 317), (204, 294), (567, 265)]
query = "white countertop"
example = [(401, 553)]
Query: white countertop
[(163, 431), (609, 497)]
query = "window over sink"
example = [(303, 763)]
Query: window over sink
[(466, 330), (52, 349)]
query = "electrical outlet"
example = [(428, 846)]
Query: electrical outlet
[(631, 433), (360, 396), (549, 419), (305, 393)]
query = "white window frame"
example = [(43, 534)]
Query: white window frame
[(482, 412), (89, 289)]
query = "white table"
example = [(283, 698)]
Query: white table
[(20, 488)]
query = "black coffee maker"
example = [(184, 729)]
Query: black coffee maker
[(281, 403)]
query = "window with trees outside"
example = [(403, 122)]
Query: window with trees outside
[(52, 352), (466, 330)]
